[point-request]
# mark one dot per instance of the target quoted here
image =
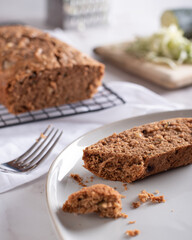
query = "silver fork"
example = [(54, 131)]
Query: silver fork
[(35, 154)]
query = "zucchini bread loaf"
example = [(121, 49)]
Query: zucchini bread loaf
[(141, 151), (98, 198), (39, 71)]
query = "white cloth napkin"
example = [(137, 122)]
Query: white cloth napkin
[(15, 140)]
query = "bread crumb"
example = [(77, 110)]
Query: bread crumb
[(124, 215), (131, 222), (133, 233), (91, 178), (136, 204), (144, 196), (148, 194), (156, 192), (42, 136), (78, 179), (125, 186), (157, 199)]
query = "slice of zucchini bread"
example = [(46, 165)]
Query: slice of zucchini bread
[(39, 71), (99, 198), (141, 151)]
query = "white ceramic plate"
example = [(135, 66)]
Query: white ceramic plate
[(169, 220)]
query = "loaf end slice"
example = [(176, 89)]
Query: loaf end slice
[(98, 198), (141, 151), (38, 71)]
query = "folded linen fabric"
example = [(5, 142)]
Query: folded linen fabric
[(15, 140)]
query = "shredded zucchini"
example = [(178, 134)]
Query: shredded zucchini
[(168, 46)]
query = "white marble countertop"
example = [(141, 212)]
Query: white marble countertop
[(24, 213)]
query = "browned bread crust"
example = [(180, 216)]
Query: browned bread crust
[(98, 198), (141, 151), (39, 71)]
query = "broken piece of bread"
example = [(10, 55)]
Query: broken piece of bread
[(98, 198)]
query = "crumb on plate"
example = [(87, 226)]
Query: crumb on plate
[(124, 215), (145, 196), (156, 192), (131, 222), (133, 233), (78, 179), (136, 204), (158, 199), (91, 178), (125, 186)]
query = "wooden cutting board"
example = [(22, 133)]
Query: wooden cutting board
[(160, 74)]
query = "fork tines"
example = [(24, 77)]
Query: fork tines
[(36, 153)]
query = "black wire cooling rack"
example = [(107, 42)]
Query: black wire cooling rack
[(105, 98)]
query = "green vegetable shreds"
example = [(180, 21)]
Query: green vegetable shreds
[(168, 46)]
